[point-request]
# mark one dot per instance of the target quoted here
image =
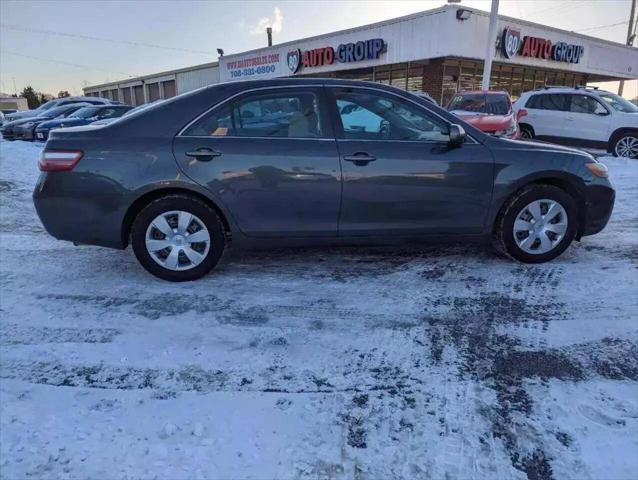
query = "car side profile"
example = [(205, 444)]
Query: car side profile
[(23, 129), (57, 102), (83, 116), (309, 162), (586, 117)]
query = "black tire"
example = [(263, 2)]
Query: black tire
[(188, 204), (627, 136), (504, 240), (527, 132)]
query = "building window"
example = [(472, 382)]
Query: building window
[(126, 95), (169, 88), (153, 92), (138, 93)]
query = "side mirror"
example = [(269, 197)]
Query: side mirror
[(457, 136)]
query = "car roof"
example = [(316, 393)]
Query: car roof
[(565, 90), (485, 92)]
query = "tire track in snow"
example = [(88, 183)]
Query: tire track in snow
[(14, 334)]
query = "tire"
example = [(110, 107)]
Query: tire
[(516, 245), (527, 132), (625, 145), (190, 260)]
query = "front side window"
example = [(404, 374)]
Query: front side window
[(618, 103), (85, 112), (272, 114), (373, 116), (587, 104)]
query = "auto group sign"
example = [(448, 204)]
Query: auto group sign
[(344, 53), (512, 45), (287, 61)]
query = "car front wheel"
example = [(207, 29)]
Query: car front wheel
[(626, 146), (178, 238), (526, 132), (537, 224)]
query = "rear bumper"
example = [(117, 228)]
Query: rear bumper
[(599, 205), (80, 208)]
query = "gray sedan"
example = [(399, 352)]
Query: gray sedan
[(309, 162)]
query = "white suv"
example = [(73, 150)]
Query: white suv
[(586, 117)]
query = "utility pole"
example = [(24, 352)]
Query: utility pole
[(491, 39), (631, 34)]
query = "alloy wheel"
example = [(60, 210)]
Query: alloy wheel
[(177, 240), (627, 147), (540, 226)]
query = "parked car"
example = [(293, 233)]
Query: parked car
[(57, 102), (184, 178), (82, 116), (489, 111), (23, 129), (106, 121), (586, 117)]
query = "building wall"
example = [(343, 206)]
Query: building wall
[(18, 103), (194, 79), (435, 34)]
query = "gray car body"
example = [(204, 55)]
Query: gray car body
[(281, 191)]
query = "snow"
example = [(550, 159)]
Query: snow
[(432, 362)]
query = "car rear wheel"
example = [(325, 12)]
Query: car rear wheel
[(626, 146), (178, 238), (527, 133), (537, 224)]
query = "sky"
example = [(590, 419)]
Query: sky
[(66, 44)]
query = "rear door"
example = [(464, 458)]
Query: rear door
[(269, 155), (547, 114), (588, 119), (400, 177)]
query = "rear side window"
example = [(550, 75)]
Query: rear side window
[(549, 101), (290, 114)]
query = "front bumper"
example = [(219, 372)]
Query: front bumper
[(24, 133), (599, 201), (41, 135), (8, 134)]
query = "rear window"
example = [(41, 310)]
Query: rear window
[(492, 104), (549, 101), (289, 114)]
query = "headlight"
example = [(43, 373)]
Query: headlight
[(511, 130), (28, 124)]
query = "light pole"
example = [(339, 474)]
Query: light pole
[(631, 35), (489, 52)]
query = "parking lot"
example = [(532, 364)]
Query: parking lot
[(431, 362)]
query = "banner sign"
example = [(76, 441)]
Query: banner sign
[(536, 47), (253, 66)]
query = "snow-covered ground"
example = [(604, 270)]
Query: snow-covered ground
[(439, 362)]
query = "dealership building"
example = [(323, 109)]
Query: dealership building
[(438, 51)]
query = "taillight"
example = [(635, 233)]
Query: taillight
[(521, 113), (59, 160)]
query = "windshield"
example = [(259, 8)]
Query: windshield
[(618, 103), (57, 111), (48, 105), (480, 103), (86, 112)]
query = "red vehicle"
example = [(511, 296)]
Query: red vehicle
[(489, 111)]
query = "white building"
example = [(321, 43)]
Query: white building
[(439, 51)]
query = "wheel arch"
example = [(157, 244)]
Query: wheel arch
[(566, 182), (522, 125), (616, 134), (147, 197)]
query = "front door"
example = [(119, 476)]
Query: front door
[(270, 157), (400, 177), (587, 119)]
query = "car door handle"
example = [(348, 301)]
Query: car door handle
[(360, 159), (204, 154)]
